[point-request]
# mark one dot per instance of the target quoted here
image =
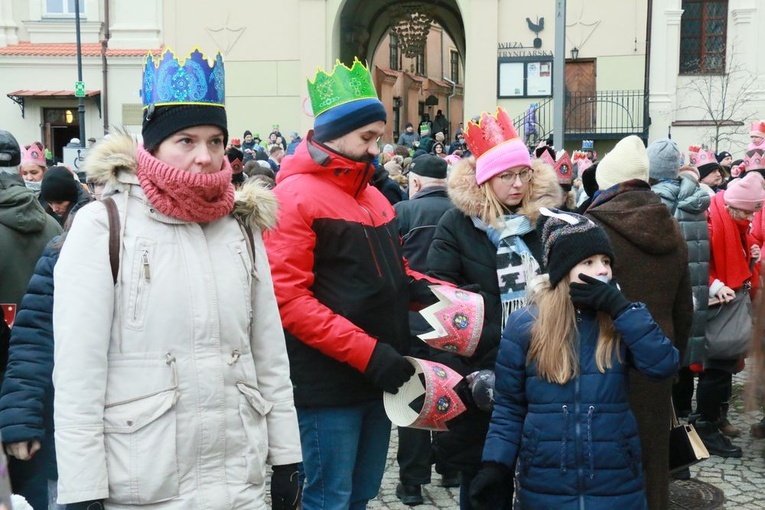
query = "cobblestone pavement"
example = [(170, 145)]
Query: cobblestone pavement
[(741, 480)]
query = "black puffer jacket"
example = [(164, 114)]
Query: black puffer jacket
[(462, 254)]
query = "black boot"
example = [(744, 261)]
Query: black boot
[(716, 443), (410, 495)]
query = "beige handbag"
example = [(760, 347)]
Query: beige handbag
[(685, 445)]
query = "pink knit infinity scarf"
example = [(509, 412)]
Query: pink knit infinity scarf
[(196, 198)]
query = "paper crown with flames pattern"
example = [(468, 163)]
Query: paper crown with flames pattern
[(192, 80), (496, 145), (456, 319), (342, 85), (428, 399)]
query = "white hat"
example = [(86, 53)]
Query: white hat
[(626, 161)]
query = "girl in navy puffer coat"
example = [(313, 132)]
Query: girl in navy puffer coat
[(561, 415)]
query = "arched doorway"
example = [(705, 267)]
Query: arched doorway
[(405, 82)]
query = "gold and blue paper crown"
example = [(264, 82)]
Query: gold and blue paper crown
[(341, 86), (169, 80)]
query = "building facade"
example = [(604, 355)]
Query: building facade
[(631, 67)]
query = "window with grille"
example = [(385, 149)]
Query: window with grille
[(454, 64), (703, 32), (395, 55), (420, 64)]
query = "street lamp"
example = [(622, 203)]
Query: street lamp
[(574, 53)]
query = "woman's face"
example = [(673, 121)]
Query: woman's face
[(511, 185), (32, 173), (597, 266), (198, 149)]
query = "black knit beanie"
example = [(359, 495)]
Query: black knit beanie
[(568, 239), (159, 122), (705, 170), (58, 185)]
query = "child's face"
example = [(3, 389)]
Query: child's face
[(597, 266)]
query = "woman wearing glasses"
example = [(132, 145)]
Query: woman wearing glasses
[(488, 244)]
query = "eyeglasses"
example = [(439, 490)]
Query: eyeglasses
[(510, 177)]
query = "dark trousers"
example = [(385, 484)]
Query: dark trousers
[(682, 392), (414, 453), (713, 391)]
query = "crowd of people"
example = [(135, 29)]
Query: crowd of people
[(211, 309)]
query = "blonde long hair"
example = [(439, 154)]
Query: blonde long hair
[(554, 334)]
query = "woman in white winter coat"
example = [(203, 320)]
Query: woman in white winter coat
[(172, 384)]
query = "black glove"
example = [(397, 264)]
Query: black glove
[(387, 369), (492, 487), (598, 296), (96, 504), (285, 487)]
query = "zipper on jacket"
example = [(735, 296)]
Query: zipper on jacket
[(146, 267), (564, 440), (371, 249)]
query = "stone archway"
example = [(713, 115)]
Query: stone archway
[(364, 29)]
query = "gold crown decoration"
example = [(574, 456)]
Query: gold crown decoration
[(342, 85)]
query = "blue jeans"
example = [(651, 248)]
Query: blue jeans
[(344, 454)]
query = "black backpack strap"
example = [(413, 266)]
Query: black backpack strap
[(114, 236)]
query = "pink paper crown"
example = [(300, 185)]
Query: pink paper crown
[(698, 156), (439, 405), (34, 155), (754, 160), (546, 158), (456, 319), (581, 161), (563, 167)]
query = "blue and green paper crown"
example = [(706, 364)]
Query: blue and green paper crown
[(342, 85), (169, 81)]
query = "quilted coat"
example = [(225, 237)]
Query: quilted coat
[(576, 445), (172, 387)]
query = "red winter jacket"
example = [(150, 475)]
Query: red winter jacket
[(340, 279)]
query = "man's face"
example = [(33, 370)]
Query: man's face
[(409, 129), (361, 144), (726, 161), (713, 179), (248, 138)]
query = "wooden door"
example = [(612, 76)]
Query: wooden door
[(581, 98)]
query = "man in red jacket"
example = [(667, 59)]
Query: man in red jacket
[(344, 291)]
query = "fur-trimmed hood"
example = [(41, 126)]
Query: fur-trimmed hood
[(468, 197), (113, 163)]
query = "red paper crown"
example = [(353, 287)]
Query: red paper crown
[(581, 161), (456, 319), (754, 160), (563, 167), (439, 405), (490, 131)]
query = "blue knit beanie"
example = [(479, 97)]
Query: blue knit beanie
[(347, 117)]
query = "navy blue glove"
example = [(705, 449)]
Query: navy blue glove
[(492, 487), (599, 296), (387, 369), (285, 487)]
